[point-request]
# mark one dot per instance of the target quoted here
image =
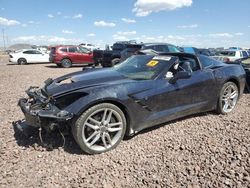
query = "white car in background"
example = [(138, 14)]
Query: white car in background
[(25, 56), (90, 47)]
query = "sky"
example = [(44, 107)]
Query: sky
[(199, 23)]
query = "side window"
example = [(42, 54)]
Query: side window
[(83, 50), (148, 47), (37, 52), (63, 49), (228, 53), (29, 52), (72, 49)]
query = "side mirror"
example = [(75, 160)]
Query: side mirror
[(180, 75)]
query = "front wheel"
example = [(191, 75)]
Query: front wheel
[(228, 98), (100, 128)]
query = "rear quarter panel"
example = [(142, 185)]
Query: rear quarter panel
[(236, 73)]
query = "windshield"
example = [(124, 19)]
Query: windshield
[(141, 67)]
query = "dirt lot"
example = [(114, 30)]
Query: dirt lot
[(205, 150)]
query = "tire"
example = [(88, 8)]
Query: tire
[(22, 61), (93, 131), (228, 98), (97, 63), (66, 63), (115, 61)]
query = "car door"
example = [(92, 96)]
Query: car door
[(85, 55), (168, 101), (45, 57), (30, 56), (39, 57), (73, 54)]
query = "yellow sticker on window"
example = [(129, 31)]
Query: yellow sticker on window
[(152, 63)]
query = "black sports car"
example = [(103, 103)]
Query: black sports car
[(102, 105)]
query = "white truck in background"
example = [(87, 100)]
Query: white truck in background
[(231, 55)]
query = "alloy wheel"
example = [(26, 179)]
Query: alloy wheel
[(66, 63), (229, 98), (102, 129)]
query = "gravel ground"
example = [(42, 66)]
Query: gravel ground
[(205, 150)]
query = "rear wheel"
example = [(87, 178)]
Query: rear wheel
[(66, 63), (228, 98), (100, 128), (22, 61)]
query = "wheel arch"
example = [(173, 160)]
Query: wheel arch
[(234, 80), (25, 59), (66, 57), (219, 104), (115, 57), (22, 58)]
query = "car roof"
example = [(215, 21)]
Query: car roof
[(189, 47), (22, 50), (228, 50), (58, 46), (29, 49), (156, 43)]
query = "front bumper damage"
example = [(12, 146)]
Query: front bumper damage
[(40, 111)]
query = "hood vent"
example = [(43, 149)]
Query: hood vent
[(65, 81)]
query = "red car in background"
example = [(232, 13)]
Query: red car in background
[(66, 56)]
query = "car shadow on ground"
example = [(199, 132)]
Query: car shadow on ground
[(27, 136), (53, 66), (10, 64)]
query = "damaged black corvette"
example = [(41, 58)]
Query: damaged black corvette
[(100, 106)]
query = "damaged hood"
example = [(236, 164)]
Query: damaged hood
[(84, 79)]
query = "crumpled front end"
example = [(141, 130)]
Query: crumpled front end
[(40, 110)]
